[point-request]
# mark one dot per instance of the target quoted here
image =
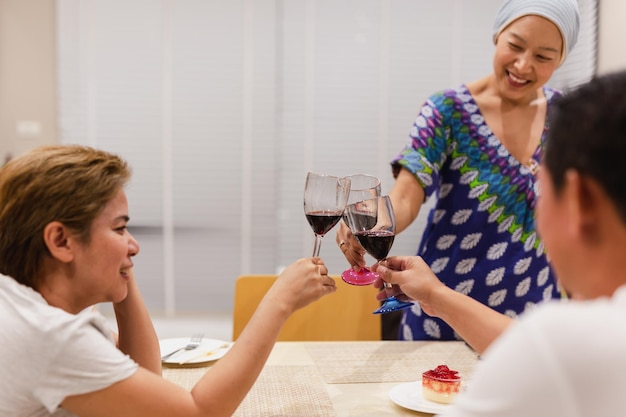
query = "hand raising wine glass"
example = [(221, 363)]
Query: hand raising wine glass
[(362, 187), (377, 241), (325, 199)]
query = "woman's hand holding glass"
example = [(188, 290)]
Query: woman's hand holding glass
[(350, 246), (408, 278)]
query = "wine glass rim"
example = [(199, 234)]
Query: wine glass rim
[(376, 185), (360, 174), (342, 181)]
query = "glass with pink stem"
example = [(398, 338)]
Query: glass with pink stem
[(362, 187)]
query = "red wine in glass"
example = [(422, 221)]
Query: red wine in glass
[(362, 187), (377, 241), (325, 199), (322, 221)]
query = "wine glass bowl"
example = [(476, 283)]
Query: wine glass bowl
[(362, 187), (325, 199), (378, 239)]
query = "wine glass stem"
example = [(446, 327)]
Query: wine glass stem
[(385, 283), (388, 290), (317, 246)]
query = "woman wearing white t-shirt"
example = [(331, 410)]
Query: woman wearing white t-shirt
[(64, 246)]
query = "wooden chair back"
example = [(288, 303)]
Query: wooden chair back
[(343, 315)]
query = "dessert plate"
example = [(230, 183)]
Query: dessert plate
[(409, 395), (209, 350)]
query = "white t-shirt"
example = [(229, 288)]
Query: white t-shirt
[(562, 359), (47, 354)]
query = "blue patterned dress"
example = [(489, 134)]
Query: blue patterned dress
[(480, 237)]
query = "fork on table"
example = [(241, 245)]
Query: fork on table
[(194, 342)]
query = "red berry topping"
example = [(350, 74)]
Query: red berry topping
[(442, 372)]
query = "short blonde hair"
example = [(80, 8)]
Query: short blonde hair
[(70, 184)]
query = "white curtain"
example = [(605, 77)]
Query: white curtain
[(221, 107)]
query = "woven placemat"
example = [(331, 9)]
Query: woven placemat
[(342, 363), (185, 377), (280, 391)]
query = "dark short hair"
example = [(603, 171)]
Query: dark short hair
[(587, 133), (70, 184)]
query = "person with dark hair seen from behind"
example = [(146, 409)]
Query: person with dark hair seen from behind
[(64, 247), (476, 148), (561, 358)]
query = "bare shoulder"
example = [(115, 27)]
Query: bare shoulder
[(480, 89)]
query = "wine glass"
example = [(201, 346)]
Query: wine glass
[(377, 242), (325, 199), (362, 187)]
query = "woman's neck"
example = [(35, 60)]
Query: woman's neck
[(486, 90)]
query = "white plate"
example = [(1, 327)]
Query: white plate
[(209, 350), (409, 395)]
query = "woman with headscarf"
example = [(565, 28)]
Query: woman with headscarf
[(477, 148)]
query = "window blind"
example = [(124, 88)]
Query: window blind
[(221, 107)]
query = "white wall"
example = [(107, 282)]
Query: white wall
[(612, 35), (28, 98)]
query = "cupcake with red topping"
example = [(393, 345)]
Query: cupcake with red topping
[(441, 384)]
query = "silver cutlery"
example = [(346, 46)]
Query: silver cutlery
[(194, 342)]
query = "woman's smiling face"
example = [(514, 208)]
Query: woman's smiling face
[(527, 53), (103, 266)]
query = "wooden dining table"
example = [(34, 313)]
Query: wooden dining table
[(342, 378)]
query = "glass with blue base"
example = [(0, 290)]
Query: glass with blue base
[(378, 240)]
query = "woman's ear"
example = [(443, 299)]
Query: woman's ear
[(583, 204), (58, 240)]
